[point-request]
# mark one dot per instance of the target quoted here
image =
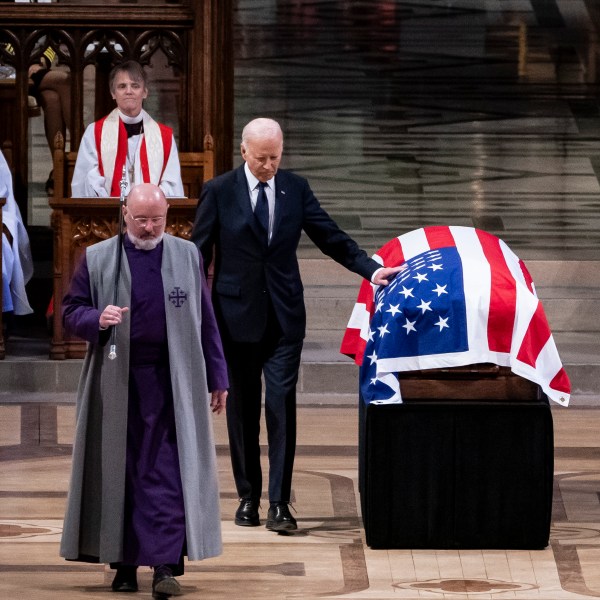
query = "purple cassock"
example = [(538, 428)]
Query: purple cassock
[(154, 511), (154, 515)]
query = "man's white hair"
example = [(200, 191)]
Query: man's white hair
[(261, 128)]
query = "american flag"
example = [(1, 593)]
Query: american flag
[(463, 297)]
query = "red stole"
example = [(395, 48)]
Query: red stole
[(116, 169)]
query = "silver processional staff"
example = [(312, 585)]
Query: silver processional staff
[(112, 354)]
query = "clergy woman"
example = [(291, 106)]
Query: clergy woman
[(128, 137), (144, 486)]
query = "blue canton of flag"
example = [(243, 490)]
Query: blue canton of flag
[(421, 312)]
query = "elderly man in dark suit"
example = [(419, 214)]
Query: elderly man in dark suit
[(252, 217)]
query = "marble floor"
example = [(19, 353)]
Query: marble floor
[(402, 114), (327, 557)]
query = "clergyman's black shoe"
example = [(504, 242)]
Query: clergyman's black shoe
[(125, 580), (279, 518), (164, 584), (247, 513)]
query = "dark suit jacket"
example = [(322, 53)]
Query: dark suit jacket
[(247, 272)]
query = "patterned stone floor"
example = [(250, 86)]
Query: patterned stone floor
[(327, 557)]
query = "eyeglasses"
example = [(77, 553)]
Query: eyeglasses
[(143, 221)]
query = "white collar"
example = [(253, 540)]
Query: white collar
[(127, 119), (253, 181)]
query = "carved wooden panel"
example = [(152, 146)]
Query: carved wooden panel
[(81, 222)]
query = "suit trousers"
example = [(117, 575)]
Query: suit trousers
[(278, 360)]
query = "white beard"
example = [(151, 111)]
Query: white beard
[(147, 244)]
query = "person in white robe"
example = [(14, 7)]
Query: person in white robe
[(127, 137), (17, 263)]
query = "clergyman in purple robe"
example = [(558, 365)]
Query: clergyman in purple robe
[(144, 487)]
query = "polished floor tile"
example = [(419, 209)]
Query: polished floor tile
[(327, 556)]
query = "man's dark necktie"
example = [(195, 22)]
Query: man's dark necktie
[(261, 211)]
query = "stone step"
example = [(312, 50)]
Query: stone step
[(569, 291), (319, 383), (324, 372)]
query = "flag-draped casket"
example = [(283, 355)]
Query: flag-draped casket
[(462, 298), (463, 470)]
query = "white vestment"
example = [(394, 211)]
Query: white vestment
[(17, 264), (89, 181)]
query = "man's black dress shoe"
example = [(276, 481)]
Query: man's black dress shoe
[(247, 513), (279, 518), (125, 580), (164, 584)]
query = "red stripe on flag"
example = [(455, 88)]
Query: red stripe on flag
[(538, 333), (439, 237), (353, 345), (503, 295), (560, 382), (391, 253)]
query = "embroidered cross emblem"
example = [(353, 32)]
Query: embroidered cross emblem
[(178, 297)]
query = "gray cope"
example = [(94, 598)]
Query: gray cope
[(94, 517)]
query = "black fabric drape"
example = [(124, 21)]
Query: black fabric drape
[(447, 474)]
